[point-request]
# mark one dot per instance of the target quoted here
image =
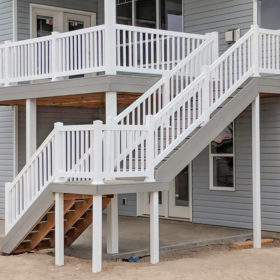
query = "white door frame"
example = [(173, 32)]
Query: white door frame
[(59, 13), (142, 201)]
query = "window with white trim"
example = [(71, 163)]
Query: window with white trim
[(222, 161)]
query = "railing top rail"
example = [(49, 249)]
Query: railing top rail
[(91, 127), (161, 32), (231, 49), (269, 31), (35, 155), (81, 31)]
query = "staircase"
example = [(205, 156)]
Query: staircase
[(152, 140)]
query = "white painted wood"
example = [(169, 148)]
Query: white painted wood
[(31, 128), (154, 228), (59, 229), (97, 234), (256, 172), (110, 36), (111, 105), (113, 226)]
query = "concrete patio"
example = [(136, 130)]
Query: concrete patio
[(134, 237)]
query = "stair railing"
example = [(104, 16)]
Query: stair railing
[(172, 83), (194, 105)]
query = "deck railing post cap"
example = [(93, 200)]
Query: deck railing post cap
[(98, 122), (58, 124), (55, 33)]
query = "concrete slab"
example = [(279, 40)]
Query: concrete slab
[(134, 237)]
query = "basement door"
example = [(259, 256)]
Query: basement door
[(176, 202)]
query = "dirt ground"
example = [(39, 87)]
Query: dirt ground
[(211, 263)]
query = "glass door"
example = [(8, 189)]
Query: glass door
[(179, 195), (75, 21)]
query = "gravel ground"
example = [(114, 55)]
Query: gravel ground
[(211, 262)]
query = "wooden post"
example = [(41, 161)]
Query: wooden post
[(97, 234), (59, 229), (31, 127), (154, 227), (256, 172)]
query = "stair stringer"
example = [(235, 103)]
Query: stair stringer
[(171, 166), (34, 213)]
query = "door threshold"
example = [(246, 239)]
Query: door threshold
[(169, 218)]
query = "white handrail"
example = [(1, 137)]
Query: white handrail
[(188, 110), (171, 84)]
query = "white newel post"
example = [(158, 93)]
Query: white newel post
[(256, 172), (255, 51), (55, 56), (58, 152), (110, 36), (97, 153), (166, 88), (154, 227), (31, 127), (97, 234), (8, 211), (7, 63), (215, 47), (59, 229), (206, 95), (112, 208), (150, 149)]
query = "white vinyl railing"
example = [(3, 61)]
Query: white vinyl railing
[(171, 84), (152, 50), (80, 153), (38, 173), (101, 152), (79, 52)]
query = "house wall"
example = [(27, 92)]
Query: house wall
[(6, 20), (47, 116), (235, 208), (201, 16), (6, 152), (23, 13)]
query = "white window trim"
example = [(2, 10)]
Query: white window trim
[(61, 12), (211, 168)]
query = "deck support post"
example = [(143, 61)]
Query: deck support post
[(59, 229), (113, 226), (154, 227), (31, 125), (256, 172), (110, 36), (97, 234), (112, 209)]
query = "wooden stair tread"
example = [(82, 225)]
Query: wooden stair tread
[(77, 218)]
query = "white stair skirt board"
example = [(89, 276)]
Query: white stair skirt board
[(256, 172), (113, 226), (59, 229), (154, 227), (97, 234)]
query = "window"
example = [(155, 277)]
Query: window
[(222, 164), (269, 14)]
